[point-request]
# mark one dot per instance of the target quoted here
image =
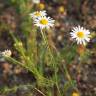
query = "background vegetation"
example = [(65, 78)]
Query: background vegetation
[(55, 67)]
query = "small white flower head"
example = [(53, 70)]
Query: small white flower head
[(36, 1), (7, 53), (81, 35), (37, 14), (44, 22)]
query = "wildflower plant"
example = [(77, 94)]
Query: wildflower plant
[(37, 14), (44, 22), (81, 35), (7, 53), (38, 54)]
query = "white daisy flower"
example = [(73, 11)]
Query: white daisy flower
[(81, 35), (36, 1), (7, 53), (38, 14), (44, 22)]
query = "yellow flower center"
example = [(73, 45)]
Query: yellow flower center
[(41, 6), (37, 14), (44, 21), (80, 34), (75, 94), (61, 9)]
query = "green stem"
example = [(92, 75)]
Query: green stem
[(54, 65), (68, 75), (46, 43)]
